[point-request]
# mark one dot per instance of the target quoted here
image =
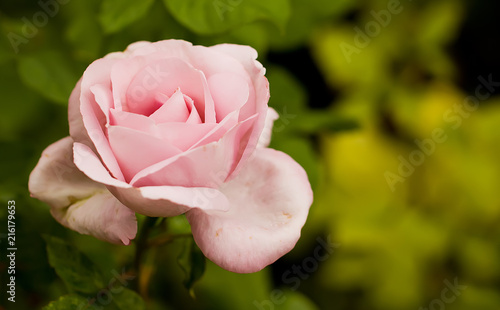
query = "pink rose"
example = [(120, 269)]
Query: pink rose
[(168, 128)]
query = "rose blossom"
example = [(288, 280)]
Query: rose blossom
[(168, 128)]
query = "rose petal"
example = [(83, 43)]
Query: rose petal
[(124, 71), (56, 180), (211, 61), (151, 201), (270, 200), (180, 135), (183, 135), (265, 136), (103, 97), (132, 121), (246, 57), (205, 59), (259, 93), (229, 91), (194, 116), (219, 130), (261, 99), (168, 48), (245, 54), (135, 150), (173, 109), (204, 166), (167, 201), (94, 119), (101, 216), (143, 46), (76, 201), (166, 76)]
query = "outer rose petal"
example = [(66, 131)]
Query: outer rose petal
[(243, 53), (91, 113), (55, 179), (257, 103), (101, 216), (265, 136), (229, 91), (270, 200), (76, 201)]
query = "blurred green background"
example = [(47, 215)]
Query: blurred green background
[(392, 108)]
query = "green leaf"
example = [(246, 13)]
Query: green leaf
[(239, 291), (293, 300), (20, 108), (217, 16), (129, 300), (116, 14), (192, 262), (74, 268), (179, 225), (316, 121), (83, 31), (49, 74), (289, 99), (69, 302), (287, 93), (305, 16)]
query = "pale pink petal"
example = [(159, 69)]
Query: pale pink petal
[(179, 134), (77, 201), (259, 92), (269, 203), (265, 136), (219, 130), (229, 91), (167, 49), (76, 128), (94, 119), (261, 107), (103, 97), (209, 105), (139, 56), (245, 54), (205, 166), (167, 201), (211, 61), (102, 216), (205, 59), (194, 116), (98, 72), (150, 200), (139, 45), (166, 76), (121, 75), (56, 181), (132, 121), (173, 109), (135, 150), (183, 135), (142, 45)]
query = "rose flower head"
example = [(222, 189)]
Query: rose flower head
[(168, 128)]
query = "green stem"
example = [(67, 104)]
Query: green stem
[(142, 242), (166, 238), (144, 245)]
